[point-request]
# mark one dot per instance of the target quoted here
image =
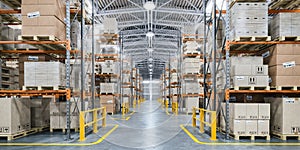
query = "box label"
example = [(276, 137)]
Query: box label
[(266, 54), (289, 64), (240, 78), (34, 58), (33, 14), (289, 100)]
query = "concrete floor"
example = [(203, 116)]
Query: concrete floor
[(148, 128)]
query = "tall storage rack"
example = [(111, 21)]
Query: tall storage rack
[(252, 47)]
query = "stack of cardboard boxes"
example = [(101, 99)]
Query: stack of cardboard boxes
[(15, 115), (247, 119), (40, 111), (285, 25), (284, 115), (43, 18), (284, 64), (251, 18), (248, 72)]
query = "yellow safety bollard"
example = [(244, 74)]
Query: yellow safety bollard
[(104, 117), (167, 104), (176, 108), (123, 109), (194, 117), (81, 127), (201, 121), (134, 103), (213, 126), (95, 125)]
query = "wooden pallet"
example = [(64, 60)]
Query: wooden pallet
[(252, 38), (251, 137), (24, 133), (63, 130), (37, 38), (250, 88), (284, 137), (235, 1), (294, 88), (288, 38), (43, 87)]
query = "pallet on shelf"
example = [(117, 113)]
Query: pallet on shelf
[(63, 130), (24, 133), (288, 38), (284, 137), (43, 87), (251, 88), (253, 38), (251, 137), (37, 38), (294, 88)]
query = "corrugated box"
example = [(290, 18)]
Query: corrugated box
[(57, 31), (241, 70), (42, 21), (237, 110), (15, 115), (246, 60), (285, 70), (237, 127), (250, 81), (285, 115), (107, 99), (55, 8), (251, 127), (190, 103), (110, 108), (282, 59), (264, 111), (251, 111), (108, 87), (285, 81), (263, 127)]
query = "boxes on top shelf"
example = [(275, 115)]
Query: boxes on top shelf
[(110, 25), (256, 60), (191, 102), (257, 81), (285, 24)]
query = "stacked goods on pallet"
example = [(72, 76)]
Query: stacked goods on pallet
[(108, 88), (193, 31), (30, 58), (110, 25), (285, 25), (43, 18), (58, 115), (47, 74), (126, 83), (248, 19), (248, 72), (9, 78), (40, 111), (284, 64), (191, 47), (109, 67), (109, 101), (284, 115), (15, 115), (192, 65), (248, 119)]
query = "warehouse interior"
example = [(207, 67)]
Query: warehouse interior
[(149, 74)]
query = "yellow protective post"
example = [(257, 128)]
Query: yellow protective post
[(213, 126), (134, 103), (104, 117), (95, 125), (201, 121), (167, 104), (194, 117), (81, 127), (123, 109), (176, 108)]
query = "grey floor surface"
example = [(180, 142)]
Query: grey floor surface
[(149, 127)]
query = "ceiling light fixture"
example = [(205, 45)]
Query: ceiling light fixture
[(150, 34), (150, 50), (149, 5)]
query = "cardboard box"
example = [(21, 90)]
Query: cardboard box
[(110, 108), (281, 70), (251, 127), (238, 127), (107, 99), (250, 81), (285, 115), (264, 111), (42, 21), (190, 103), (251, 111), (263, 127), (241, 70), (50, 9), (282, 59), (15, 115), (285, 81), (237, 110)]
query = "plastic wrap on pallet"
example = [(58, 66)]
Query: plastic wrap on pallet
[(285, 24)]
